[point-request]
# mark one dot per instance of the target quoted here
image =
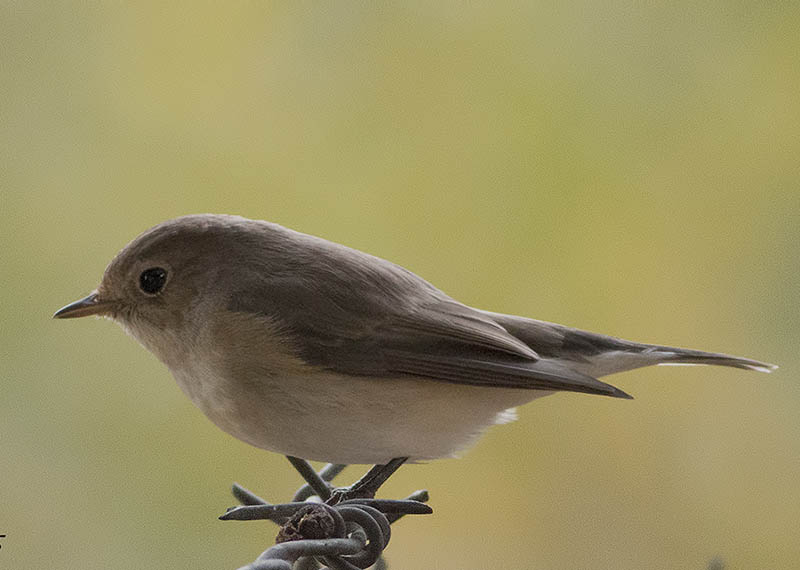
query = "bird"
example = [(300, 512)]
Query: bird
[(311, 349)]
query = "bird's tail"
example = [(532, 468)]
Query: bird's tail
[(598, 355), (671, 356)]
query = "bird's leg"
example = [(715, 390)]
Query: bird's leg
[(327, 474), (368, 485), (316, 483)]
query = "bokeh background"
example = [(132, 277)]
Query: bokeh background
[(630, 170)]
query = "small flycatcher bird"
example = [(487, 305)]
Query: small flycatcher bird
[(311, 349)]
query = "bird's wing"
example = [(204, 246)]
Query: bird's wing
[(355, 324)]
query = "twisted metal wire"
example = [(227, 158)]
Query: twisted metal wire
[(350, 535)]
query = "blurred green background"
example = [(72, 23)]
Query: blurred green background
[(629, 170)]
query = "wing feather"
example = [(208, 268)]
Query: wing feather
[(352, 313), (540, 375)]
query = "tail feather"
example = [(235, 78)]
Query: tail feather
[(599, 355), (667, 355)]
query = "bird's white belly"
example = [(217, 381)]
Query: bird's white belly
[(327, 417)]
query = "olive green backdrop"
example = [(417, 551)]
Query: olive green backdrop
[(628, 170)]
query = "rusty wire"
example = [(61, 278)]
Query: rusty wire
[(349, 535)]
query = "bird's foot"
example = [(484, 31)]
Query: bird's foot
[(342, 494), (368, 485)]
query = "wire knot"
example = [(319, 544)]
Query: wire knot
[(349, 535), (309, 522)]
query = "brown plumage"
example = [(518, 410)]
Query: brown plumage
[(273, 333)]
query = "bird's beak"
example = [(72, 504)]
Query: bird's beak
[(89, 305)]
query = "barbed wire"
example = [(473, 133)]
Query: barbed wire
[(349, 535)]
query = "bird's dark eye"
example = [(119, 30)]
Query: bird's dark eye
[(152, 280)]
